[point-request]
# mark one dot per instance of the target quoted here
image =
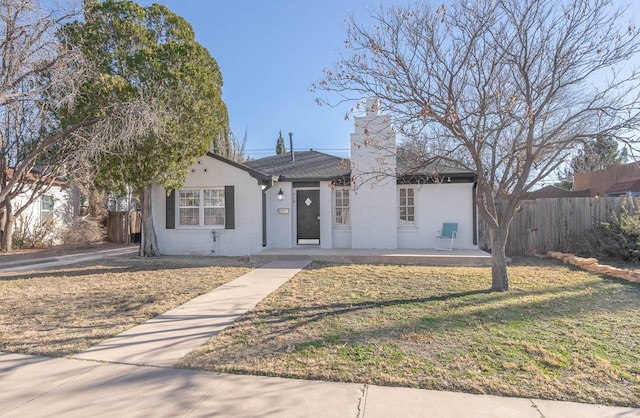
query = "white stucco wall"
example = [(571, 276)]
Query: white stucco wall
[(326, 215), (373, 165), (245, 239), (436, 204), (280, 216), (32, 218)]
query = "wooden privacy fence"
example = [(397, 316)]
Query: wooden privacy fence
[(118, 227), (560, 224)]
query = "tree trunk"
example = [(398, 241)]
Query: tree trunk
[(499, 277), (7, 234), (149, 242)]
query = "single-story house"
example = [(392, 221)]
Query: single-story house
[(47, 216), (615, 180), (369, 201)]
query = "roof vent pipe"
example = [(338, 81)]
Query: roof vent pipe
[(293, 156)]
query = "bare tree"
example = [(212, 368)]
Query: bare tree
[(238, 148), (41, 79), (504, 88)]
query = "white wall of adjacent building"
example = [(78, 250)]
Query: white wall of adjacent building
[(52, 210)]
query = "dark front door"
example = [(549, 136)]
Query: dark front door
[(308, 209)]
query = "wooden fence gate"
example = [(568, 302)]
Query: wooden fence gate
[(118, 227)]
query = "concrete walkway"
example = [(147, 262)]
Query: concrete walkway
[(127, 376), (167, 338)]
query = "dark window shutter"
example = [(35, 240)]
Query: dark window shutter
[(229, 208), (171, 210)]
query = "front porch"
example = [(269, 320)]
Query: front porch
[(430, 257)]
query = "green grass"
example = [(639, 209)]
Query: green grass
[(559, 333)]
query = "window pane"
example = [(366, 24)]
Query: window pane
[(407, 204), (189, 216), (345, 216), (342, 207), (190, 198), (214, 197), (214, 216), (46, 203)]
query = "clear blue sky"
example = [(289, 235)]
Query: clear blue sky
[(270, 52)]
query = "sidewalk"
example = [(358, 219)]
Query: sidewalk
[(130, 376), (48, 387), (45, 259)]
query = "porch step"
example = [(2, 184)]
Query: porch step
[(469, 258)]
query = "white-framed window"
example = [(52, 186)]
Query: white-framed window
[(342, 207), (407, 205), (213, 206), (203, 207), (46, 208)]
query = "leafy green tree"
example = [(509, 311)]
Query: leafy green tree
[(150, 53), (280, 148)]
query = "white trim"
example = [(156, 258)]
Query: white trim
[(402, 222), (201, 208), (334, 208)]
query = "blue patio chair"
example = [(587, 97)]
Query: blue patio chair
[(446, 236)]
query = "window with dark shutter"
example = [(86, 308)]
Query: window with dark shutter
[(229, 208), (171, 210)]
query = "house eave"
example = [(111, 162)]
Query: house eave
[(337, 179), (262, 178), (447, 178)]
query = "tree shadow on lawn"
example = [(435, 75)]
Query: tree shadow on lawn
[(489, 308)]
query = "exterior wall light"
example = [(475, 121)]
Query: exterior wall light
[(280, 195)]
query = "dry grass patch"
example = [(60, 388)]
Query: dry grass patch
[(559, 333), (67, 310)]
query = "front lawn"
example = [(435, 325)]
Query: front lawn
[(559, 333), (67, 310)]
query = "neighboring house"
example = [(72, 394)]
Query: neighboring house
[(615, 180), (47, 216), (311, 198)]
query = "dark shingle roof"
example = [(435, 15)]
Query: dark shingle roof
[(308, 165), (622, 187), (314, 165)]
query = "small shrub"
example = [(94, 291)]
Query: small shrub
[(27, 234), (84, 230), (617, 239)]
